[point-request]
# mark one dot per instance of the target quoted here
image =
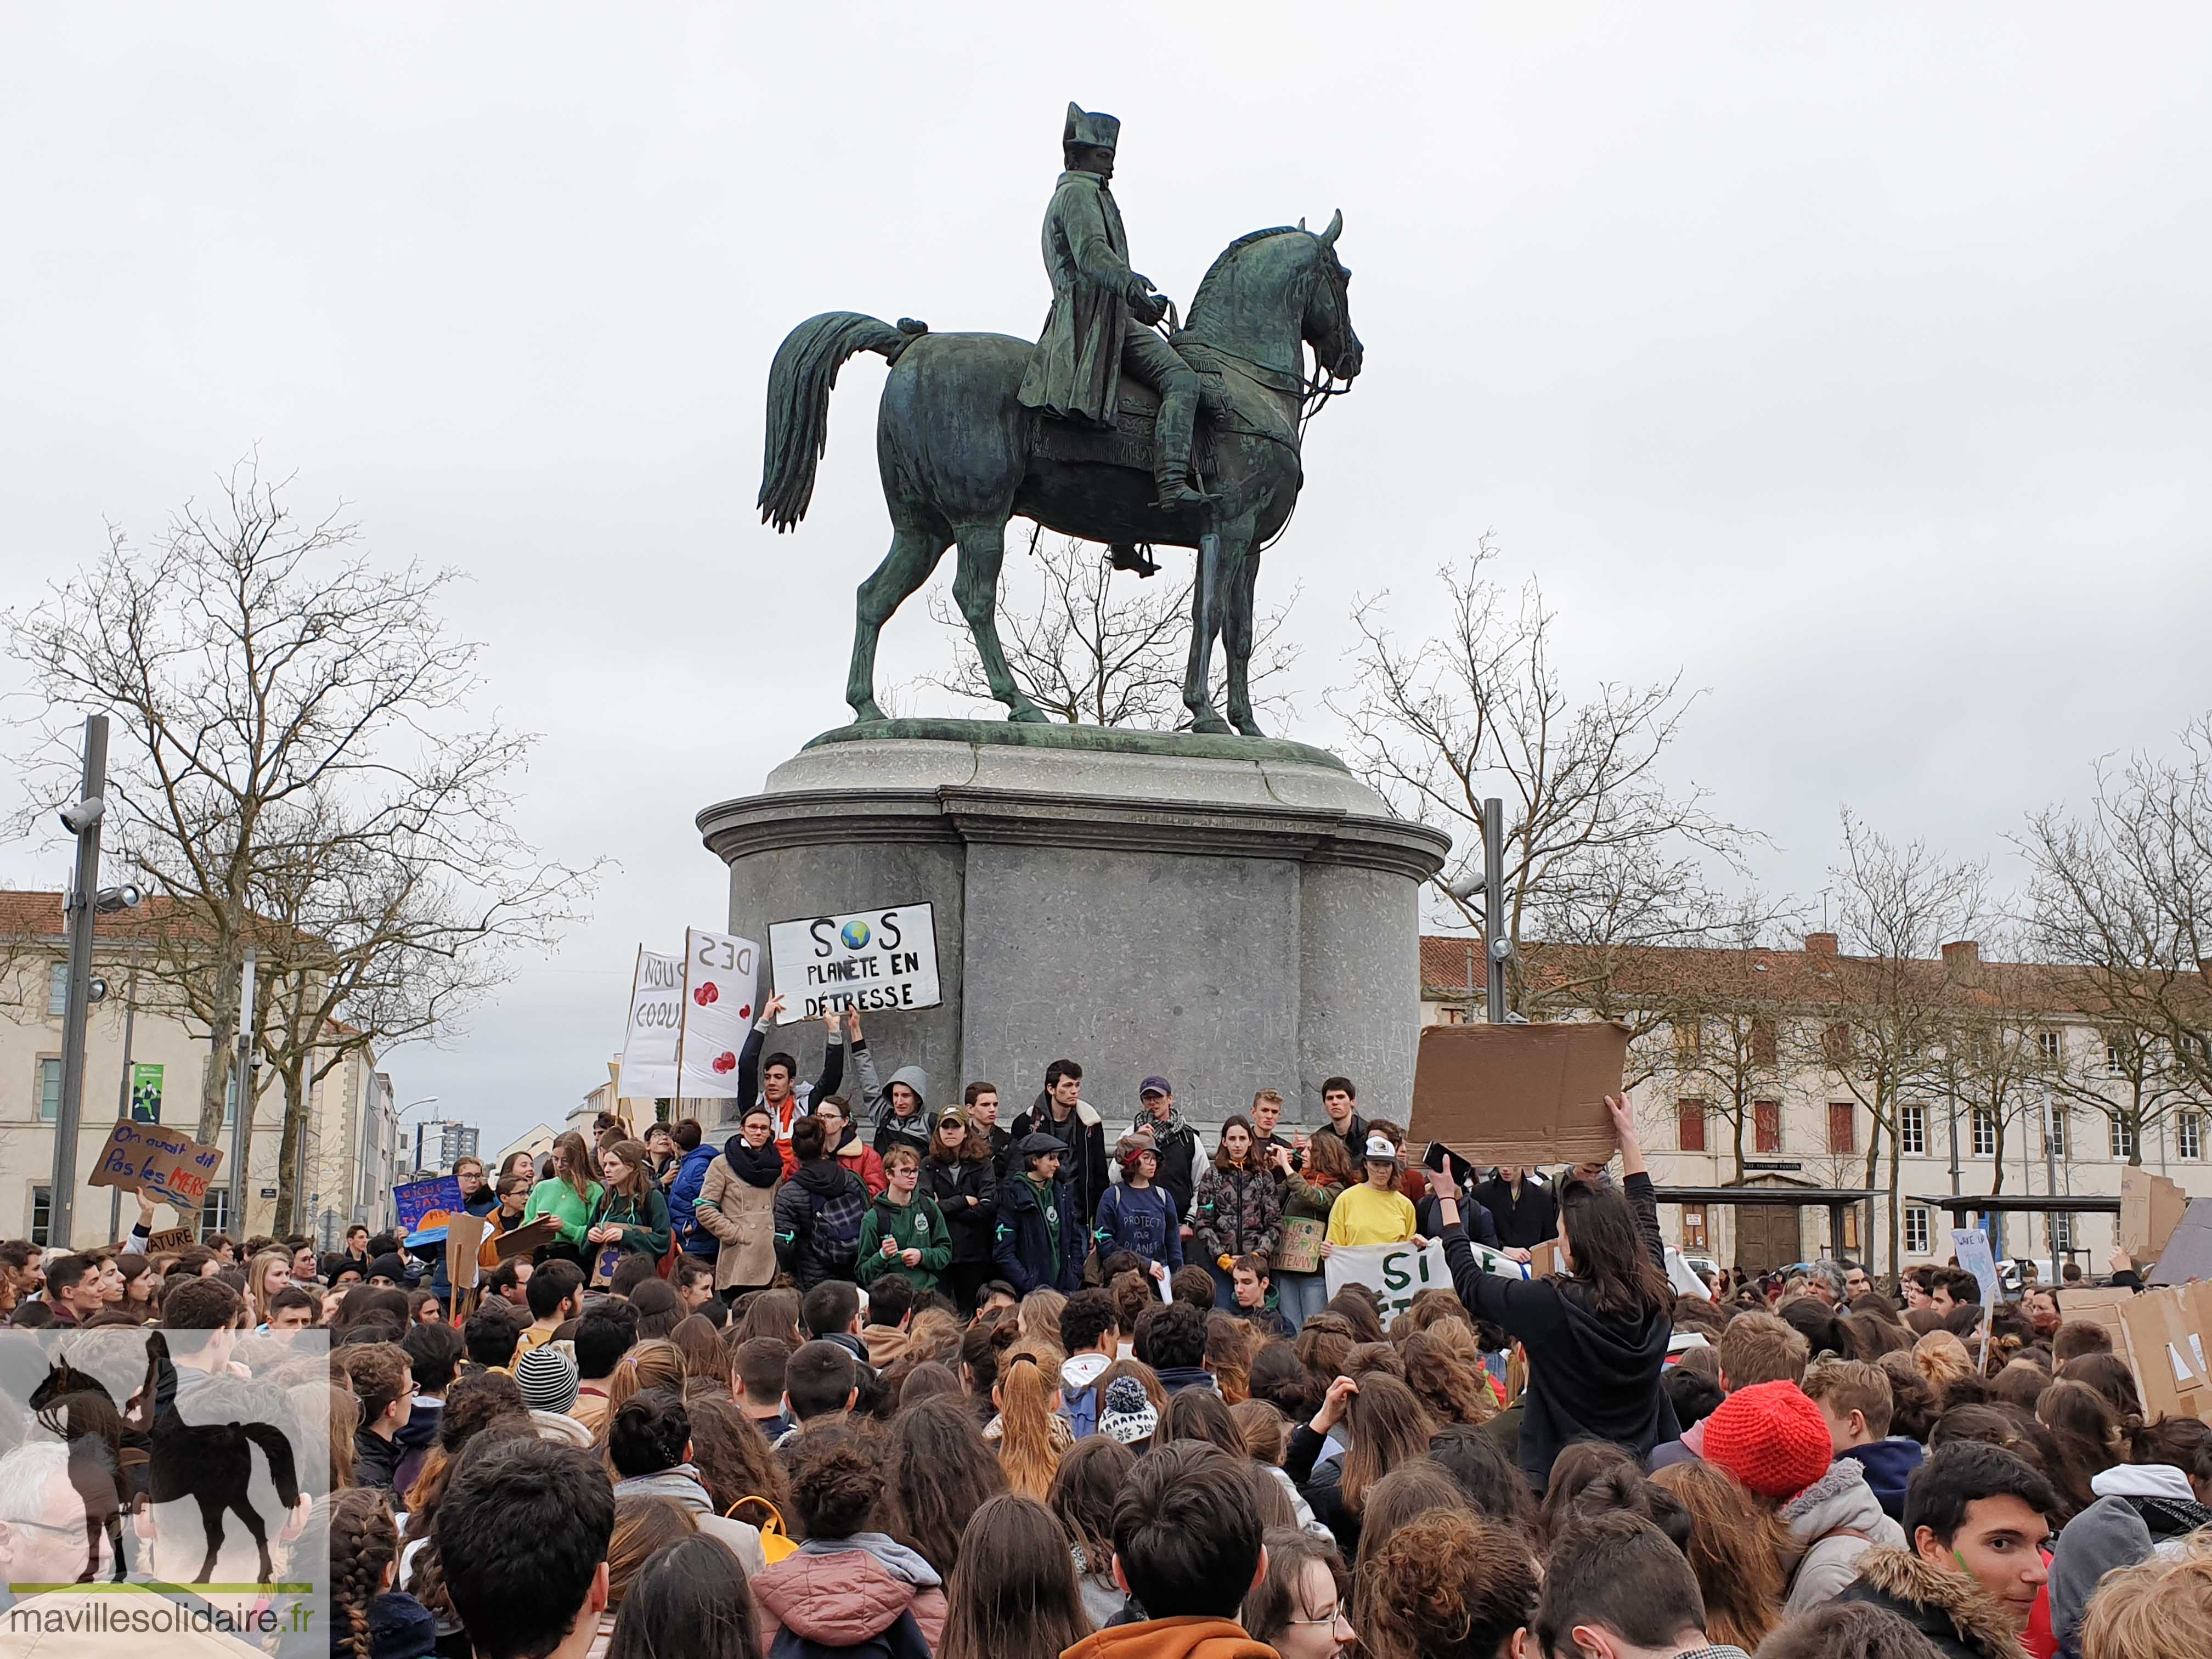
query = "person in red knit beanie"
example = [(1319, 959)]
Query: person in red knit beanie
[(1773, 1439)]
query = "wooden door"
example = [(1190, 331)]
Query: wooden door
[(1768, 1235)]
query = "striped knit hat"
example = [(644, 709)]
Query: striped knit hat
[(547, 1377)]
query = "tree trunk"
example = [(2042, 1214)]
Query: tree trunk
[(290, 1199), (1735, 1124), (223, 1042), (1896, 1215)]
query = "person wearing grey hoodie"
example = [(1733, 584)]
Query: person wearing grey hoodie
[(1833, 1521), (2104, 1537), (649, 1443), (899, 1109)]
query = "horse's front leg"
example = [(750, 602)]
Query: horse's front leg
[(982, 550), (1237, 624)]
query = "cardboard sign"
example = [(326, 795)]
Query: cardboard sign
[(872, 960), (2151, 1207), (520, 1241), (1399, 1273), (1519, 1095), (2186, 1253), (1971, 1246), (721, 973), (2165, 1349), (170, 1239), (146, 1158), (426, 1203), (1300, 1250), (463, 1233), (656, 1017)]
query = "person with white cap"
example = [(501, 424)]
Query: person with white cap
[(1376, 1212)]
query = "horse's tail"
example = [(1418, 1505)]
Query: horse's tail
[(799, 386)]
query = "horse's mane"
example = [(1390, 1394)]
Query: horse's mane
[(1214, 271)]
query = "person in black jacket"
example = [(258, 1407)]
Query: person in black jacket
[(1597, 1339), (981, 1102), (1039, 1241), (959, 1174), (1061, 1112), (1340, 1102), (1526, 1211), (818, 1212)]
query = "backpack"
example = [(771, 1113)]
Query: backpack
[(835, 1239), (776, 1542)]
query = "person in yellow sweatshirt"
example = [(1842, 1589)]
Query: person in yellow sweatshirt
[(1376, 1212)]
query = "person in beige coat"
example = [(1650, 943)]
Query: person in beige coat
[(736, 1204)]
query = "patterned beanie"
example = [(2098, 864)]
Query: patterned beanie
[(1125, 1413), (1771, 1437), (547, 1377)]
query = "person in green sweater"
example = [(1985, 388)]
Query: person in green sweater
[(569, 1196), (904, 1233), (631, 1218)]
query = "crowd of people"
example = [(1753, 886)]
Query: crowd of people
[(939, 1390)]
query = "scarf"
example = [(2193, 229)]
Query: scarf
[(1161, 1127), (756, 1166)]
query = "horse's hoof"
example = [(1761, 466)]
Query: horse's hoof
[(1210, 724), (1251, 727), (1030, 714), (865, 713)]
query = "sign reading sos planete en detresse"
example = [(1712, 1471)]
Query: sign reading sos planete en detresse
[(877, 961)]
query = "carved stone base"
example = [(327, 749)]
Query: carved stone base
[(1234, 913)]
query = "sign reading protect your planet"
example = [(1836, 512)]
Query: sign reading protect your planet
[(877, 961)]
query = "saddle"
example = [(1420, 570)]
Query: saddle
[(1229, 405)]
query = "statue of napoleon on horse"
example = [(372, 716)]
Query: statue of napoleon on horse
[(1092, 431)]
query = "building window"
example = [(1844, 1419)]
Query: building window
[(2189, 1136), (1916, 1229), (1689, 1043), (1985, 1134), (1693, 1226), (1690, 1124), (1763, 1045), (2061, 1232), (215, 1212), (1836, 1046), (2123, 1138), (2054, 1129), (1766, 1124), (1452, 1014), (57, 990), (42, 1214), (1843, 1127), (2112, 1060), (2046, 1044), (50, 1091), (1913, 1131)]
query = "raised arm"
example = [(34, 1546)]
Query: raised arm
[(1636, 1180)]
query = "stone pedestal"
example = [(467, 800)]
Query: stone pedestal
[(1232, 913)]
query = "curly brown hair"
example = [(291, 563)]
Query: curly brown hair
[(1446, 1584), (838, 1487)]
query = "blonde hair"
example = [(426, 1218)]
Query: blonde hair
[(656, 1363), (1029, 1428), (2156, 1610), (255, 1275), (1039, 1318), (1942, 1360)]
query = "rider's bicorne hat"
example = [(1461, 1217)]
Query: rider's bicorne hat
[(1088, 127)]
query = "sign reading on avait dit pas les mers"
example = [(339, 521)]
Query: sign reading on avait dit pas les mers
[(872, 960)]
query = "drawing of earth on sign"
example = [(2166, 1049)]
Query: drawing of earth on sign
[(855, 934)]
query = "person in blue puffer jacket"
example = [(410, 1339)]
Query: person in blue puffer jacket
[(694, 1157), (1136, 1214)]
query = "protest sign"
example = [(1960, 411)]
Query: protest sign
[(1300, 1250), (720, 974), (1399, 1273), (166, 1163), (2165, 1350), (656, 1016), (1971, 1246), (169, 1239), (518, 1241), (2151, 1207), (464, 1235), (145, 1093), (871, 960), (426, 1203), (1519, 1094), (2186, 1253)]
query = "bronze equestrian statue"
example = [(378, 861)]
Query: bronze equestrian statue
[(1090, 431)]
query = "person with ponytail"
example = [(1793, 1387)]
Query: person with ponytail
[(370, 1619), (1596, 1336), (1031, 1434), (569, 1196)]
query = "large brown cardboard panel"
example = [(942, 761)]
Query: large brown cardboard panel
[(2151, 1207), (2187, 1255), (1519, 1094)]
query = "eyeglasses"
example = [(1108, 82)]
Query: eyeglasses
[(1333, 1616)]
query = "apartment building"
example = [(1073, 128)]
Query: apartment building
[(1753, 1068)]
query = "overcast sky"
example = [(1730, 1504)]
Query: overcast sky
[(1853, 363)]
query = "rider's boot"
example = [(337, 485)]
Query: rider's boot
[(1171, 444)]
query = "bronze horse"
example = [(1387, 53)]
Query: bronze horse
[(959, 455)]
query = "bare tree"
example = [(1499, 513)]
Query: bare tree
[(1876, 1013), (1089, 651), (2123, 895), (1725, 1010), (1995, 1051), (2130, 1079), (292, 770), (1600, 852)]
